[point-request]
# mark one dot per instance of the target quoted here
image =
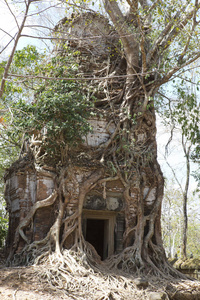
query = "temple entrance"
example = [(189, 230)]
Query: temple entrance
[(95, 235), (98, 230)]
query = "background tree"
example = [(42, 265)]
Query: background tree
[(195, 158), (182, 115), (172, 222), (184, 191)]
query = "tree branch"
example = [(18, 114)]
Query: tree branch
[(178, 28), (176, 69), (5, 74), (26, 221), (156, 45), (12, 13), (194, 23), (171, 31), (129, 40), (70, 78), (134, 7)]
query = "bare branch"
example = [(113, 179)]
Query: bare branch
[(194, 23), (63, 38), (4, 48), (177, 68), (12, 13), (7, 33), (81, 7), (156, 45), (130, 44), (38, 26), (72, 78), (178, 28), (174, 173), (41, 11), (152, 7), (5, 74), (171, 31)]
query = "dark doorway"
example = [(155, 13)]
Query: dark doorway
[(95, 235), (99, 230)]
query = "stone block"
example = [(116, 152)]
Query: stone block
[(158, 296), (141, 283)]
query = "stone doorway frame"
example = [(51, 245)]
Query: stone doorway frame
[(109, 227)]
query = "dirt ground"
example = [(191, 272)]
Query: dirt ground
[(24, 283)]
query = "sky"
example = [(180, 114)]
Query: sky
[(175, 155), (8, 26)]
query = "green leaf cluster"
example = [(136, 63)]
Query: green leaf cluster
[(172, 222), (26, 57), (59, 109), (180, 108), (3, 227), (186, 113)]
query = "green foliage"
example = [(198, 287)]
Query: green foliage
[(186, 114), (3, 227), (2, 66), (25, 61), (182, 112), (58, 110), (195, 156), (26, 57), (55, 111), (172, 222)]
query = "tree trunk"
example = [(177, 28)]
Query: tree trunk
[(141, 175), (185, 198)]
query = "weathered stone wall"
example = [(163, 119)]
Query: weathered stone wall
[(88, 32), (20, 195), (44, 217), (190, 266), (26, 187), (101, 132), (23, 187)]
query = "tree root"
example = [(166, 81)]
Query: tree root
[(71, 271), (79, 271)]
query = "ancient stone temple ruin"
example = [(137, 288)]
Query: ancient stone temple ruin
[(103, 209), (110, 186), (28, 181)]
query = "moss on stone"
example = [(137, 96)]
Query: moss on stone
[(190, 264)]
